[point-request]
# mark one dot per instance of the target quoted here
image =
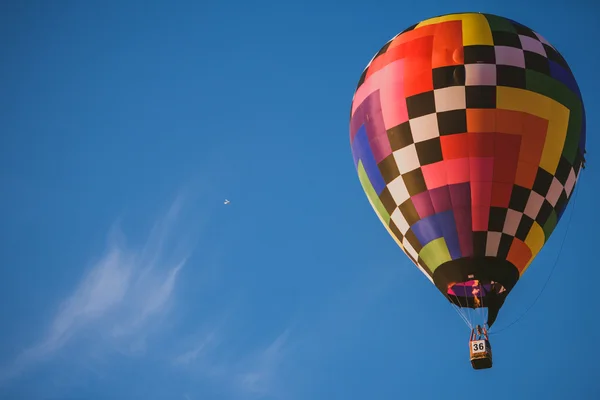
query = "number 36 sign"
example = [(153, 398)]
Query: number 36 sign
[(478, 346)]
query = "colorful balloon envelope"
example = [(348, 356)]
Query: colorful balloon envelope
[(468, 136)]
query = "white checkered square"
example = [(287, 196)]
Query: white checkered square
[(409, 249), (398, 190), (424, 128), (534, 45), (400, 221), (510, 56), (556, 188), (450, 98), (492, 243), (407, 159), (534, 204), (480, 74), (570, 184), (512, 221)]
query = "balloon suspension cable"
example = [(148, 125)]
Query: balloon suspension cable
[(482, 293), (476, 314), (557, 259), (460, 314)]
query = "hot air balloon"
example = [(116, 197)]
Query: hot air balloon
[(468, 136)]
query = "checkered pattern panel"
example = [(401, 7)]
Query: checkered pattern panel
[(468, 134)]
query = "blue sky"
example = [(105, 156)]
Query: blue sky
[(124, 276)]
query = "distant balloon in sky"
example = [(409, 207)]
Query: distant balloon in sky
[(468, 135)]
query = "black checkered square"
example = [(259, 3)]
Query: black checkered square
[(544, 213), (543, 181), (451, 122), (524, 227), (519, 198), (389, 168), (503, 38), (415, 182), (409, 212), (480, 96), (510, 76), (497, 218), (479, 243), (448, 76), (563, 170), (537, 62), (420, 104), (479, 54), (400, 136), (429, 151)]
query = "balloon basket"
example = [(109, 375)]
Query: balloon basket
[(481, 359), (480, 349)]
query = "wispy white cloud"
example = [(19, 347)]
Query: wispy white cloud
[(249, 374), (119, 295), (278, 370), (259, 372), (191, 355)]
